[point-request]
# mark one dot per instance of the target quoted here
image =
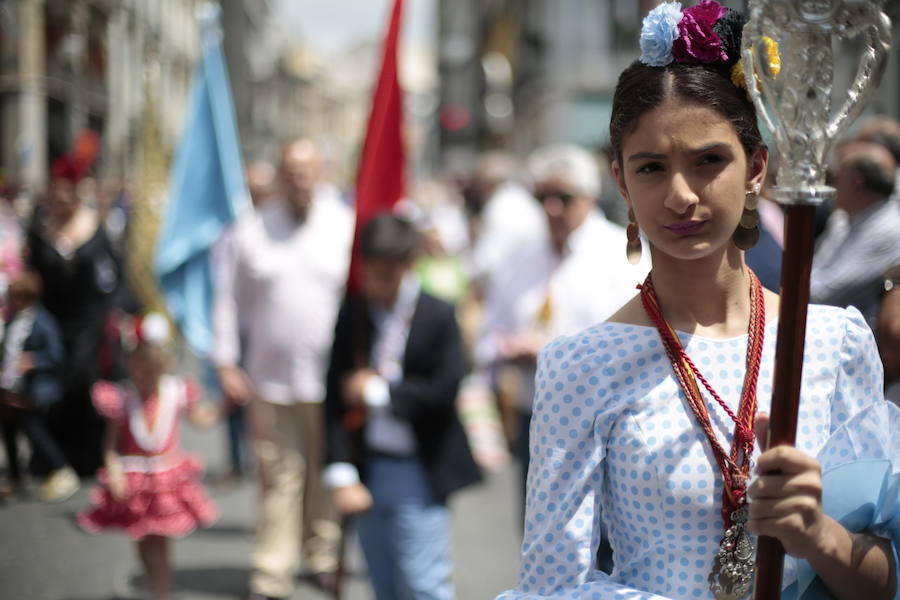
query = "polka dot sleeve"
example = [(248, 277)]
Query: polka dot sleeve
[(864, 426), (860, 377), (565, 480), (861, 458)]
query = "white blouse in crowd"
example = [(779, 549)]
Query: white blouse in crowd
[(279, 285), (611, 432), (510, 216), (586, 284)]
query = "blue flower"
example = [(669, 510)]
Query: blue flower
[(660, 29)]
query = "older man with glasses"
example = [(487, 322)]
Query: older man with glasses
[(573, 276)]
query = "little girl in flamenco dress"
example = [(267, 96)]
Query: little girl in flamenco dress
[(149, 488)]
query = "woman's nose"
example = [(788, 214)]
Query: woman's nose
[(681, 195)]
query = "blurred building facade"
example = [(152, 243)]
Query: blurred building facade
[(255, 42), (519, 73), (499, 73), (286, 86), (74, 64), (516, 74), (283, 89), (66, 65)]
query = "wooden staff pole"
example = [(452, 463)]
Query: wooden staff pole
[(794, 102), (796, 266)]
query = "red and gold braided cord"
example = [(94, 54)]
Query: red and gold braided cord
[(734, 466)]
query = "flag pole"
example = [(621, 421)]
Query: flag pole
[(207, 191)]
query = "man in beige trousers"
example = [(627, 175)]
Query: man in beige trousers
[(280, 280)]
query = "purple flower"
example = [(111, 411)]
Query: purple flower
[(696, 41), (659, 30)]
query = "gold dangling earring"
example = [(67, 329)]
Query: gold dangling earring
[(633, 249), (747, 233)]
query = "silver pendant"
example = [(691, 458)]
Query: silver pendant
[(732, 574)]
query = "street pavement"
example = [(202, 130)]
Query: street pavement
[(44, 556)]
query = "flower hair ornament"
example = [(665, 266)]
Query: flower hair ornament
[(773, 58), (151, 329), (707, 33)]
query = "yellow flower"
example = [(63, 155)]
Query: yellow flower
[(737, 74), (772, 56)]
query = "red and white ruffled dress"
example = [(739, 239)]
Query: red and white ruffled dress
[(163, 494)]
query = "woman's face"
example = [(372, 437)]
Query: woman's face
[(684, 174), (63, 201)]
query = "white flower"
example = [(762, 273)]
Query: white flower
[(659, 30), (155, 329)]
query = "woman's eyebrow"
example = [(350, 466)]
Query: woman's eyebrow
[(646, 155), (708, 147), (658, 156)]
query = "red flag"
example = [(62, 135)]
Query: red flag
[(380, 179)]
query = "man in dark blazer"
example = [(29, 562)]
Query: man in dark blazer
[(396, 448)]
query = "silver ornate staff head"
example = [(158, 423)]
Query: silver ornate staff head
[(795, 104)]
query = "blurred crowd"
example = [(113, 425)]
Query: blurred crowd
[(520, 247)]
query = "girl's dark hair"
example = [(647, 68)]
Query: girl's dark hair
[(642, 88), (388, 237)]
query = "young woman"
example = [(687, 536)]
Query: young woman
[(649, 417)]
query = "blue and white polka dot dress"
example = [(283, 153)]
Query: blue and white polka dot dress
[(611, 432)]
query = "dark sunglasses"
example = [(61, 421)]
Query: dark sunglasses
[(564, 197)]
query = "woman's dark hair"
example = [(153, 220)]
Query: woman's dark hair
[(642, 88), (388, 237)]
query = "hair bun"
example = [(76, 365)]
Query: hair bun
[(730, 29)]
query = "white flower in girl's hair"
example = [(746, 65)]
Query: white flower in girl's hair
[(660, 29), (154, 329)]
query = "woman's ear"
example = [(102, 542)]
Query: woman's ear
[(619, 176), (759, 162)]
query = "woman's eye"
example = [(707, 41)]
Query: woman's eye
[(711, 159), (650, 167)]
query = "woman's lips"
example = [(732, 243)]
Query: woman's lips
[(686, 227)]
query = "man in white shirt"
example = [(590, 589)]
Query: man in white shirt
[(860, 241), (285, 277), (573, 276), (508, 217)]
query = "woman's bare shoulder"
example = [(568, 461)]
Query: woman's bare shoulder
[(631, 313)]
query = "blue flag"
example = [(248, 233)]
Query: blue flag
[(207, 192)]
